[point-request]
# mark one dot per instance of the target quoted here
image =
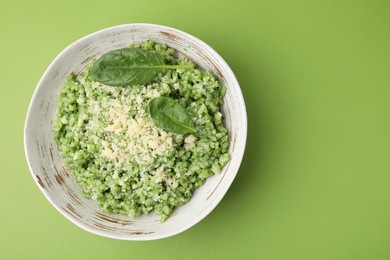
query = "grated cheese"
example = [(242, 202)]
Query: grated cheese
[(189, 142), (134, 138)]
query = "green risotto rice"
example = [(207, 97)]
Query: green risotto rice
[(121, 159)]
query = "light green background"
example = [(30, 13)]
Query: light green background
[(315, 179)]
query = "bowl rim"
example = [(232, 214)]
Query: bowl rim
[(238, 159)]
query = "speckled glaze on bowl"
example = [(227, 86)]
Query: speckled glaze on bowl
[(55, 182)]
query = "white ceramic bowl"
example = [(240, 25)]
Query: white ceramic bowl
[(55, 182)]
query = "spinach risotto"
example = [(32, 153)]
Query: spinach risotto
[(142, 146)]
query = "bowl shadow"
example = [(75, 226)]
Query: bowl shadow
[(259, 94)]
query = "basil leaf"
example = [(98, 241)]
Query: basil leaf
[(171, 116), (129, 66)]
